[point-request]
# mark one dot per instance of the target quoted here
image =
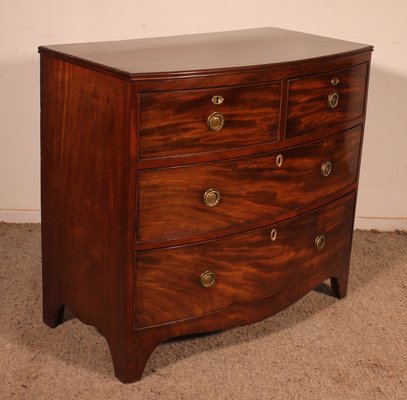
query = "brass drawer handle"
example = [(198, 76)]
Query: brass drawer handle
[(217, 99), (211, 197), (333, 99), (216, 121), (326, 168), (279, 160), (320, 241), (207, 278), (273, 235)]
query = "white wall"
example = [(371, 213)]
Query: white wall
[(26, 24)]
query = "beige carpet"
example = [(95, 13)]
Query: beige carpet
[(320, 348)]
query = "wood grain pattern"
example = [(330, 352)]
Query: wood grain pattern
[(250, 75), (85, 199), (93, 156), (148, 338), (175, 123), (208, 52), (248, 266), (308, 108), (170, 201)]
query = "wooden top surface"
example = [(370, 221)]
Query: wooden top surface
[(207, 51)]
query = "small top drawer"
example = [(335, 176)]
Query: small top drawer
[(189, 122), (321, 101)]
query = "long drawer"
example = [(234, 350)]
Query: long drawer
[(189, 200), (192, 280), (198, 121)]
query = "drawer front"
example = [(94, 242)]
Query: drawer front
[(171, 284), (178, 122), (320, 101), (171, 201)]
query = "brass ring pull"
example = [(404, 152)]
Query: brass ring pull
[(333, 99), (273, 235), (216, 121), (320, 241), (326, 168), (211, 197), (279, 160), (207, 279)]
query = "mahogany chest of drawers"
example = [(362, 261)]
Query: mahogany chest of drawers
[(196, 183)]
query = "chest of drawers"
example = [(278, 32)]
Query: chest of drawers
[(196, 183)]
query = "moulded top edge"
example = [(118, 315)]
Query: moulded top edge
[(184, 54)]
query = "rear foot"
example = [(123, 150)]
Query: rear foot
[(53, 314)]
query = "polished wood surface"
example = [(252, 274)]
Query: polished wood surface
[(240, 49), (126, 156), (147, 339), (176, 123), (251, 188), (308, 108), (247, 266), (84, 198)]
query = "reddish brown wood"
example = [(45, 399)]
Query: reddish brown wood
[(308, 108), (93, 97), (252, 75), (234, 229), (251, 116), (251, 188), (248, 266), (249, 312), (84, 190), (148, 338), (201, 158), (204, 53)]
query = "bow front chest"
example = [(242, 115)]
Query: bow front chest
[(196, 183)]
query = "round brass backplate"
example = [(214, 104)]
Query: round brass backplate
[(211, 197), (207, 278), (279, 160), (216, 121)]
